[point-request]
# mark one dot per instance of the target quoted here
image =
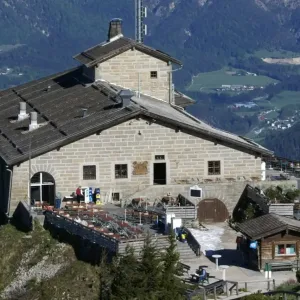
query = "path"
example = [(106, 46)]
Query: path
[(225, 244)]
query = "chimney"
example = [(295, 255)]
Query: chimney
[(84, 112), (126, 96), (115, 29), (22, 113), (33, 121)]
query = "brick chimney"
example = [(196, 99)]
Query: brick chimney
[(115, 29)]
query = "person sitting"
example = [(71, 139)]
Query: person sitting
[(202, 275)]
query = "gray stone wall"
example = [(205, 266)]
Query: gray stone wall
[(123, 70), (186, 159)]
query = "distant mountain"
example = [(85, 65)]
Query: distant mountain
[(286, 143), (38, 38), (205, 34)]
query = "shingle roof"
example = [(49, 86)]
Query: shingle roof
[(267, 225), (105, 51), (59, 109), (179, 117), (59, 100)]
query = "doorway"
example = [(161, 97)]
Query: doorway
[(212, 211), (160, 173), (42, 188)]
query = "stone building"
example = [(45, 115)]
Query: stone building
[(97, 125)]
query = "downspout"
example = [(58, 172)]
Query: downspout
[(9, 194), (171, 93)]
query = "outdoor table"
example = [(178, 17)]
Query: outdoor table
[(216, 257), (195, 277), (224, 267)]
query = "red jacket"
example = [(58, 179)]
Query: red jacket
[(78, 191)]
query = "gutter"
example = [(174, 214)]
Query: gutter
[(10, 186)]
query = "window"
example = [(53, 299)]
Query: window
[(42, 188), (153, 74), (116, 196), (214, 167), (121, 171), (285, 249), (89, 172)]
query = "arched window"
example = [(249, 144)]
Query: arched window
[(42, 188)]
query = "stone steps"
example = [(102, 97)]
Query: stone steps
[(185, 251)]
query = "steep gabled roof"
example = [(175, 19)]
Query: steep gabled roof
[(267, 225), (106, 51), (59, 100)]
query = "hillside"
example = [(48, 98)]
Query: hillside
[(206, 35), (35, 266), (40, 37)]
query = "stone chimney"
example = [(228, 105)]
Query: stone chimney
[(115, 29)]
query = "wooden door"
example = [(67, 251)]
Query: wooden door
[(212, 211)]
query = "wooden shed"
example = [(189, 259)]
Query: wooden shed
[(277, 239)]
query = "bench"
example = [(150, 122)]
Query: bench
[(280, 266), (183, 268), (217, 287)]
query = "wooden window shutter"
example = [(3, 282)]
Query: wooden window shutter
[(297, 248), (273, 250)]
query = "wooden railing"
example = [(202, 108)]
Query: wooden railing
[(193, 243), (236, 286), (268, 281), (202, 290)]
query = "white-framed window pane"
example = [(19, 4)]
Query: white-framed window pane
[(290, 249)]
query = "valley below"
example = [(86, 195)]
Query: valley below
[(244, 75)]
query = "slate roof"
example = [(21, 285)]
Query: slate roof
[(178, 117), (59, 100), (59, 109), (267, 225), (107, 50)]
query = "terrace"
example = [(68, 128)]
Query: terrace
[(113, 228)]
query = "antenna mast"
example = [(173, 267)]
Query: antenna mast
[(140, 15)]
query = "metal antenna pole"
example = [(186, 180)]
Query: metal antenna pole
[(140, 27)]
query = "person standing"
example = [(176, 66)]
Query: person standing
[(78, 194)]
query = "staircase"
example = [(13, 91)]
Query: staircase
[(186, 253)]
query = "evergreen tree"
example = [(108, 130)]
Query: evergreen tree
[(150, 271), (105, 276), (126, 277), (172, 287)]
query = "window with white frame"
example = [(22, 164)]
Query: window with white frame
[(285, 249), (42, 188)]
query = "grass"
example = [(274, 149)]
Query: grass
[(207, 82), (285, 98), (75, 280), (275, 54)]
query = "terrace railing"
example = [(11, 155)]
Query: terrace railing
[(73, 228), (193, 243)]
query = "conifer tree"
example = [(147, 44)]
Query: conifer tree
[(150, 271), (126, 277), (172, 288)]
